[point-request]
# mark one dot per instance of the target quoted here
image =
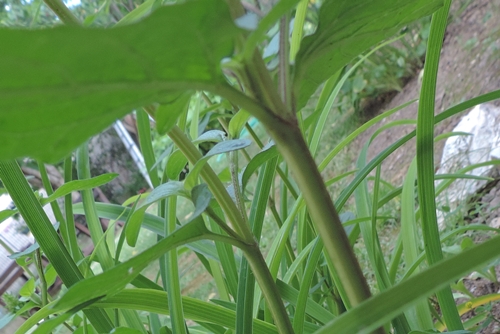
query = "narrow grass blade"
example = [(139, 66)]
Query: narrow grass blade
[(420, 316), (425, 160), (382, 307), (41, 227), (246, 288), (115, 279)]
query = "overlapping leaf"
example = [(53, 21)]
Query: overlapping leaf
[(346, 29), (59, 86)]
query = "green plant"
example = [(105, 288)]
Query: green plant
[(59, 86)]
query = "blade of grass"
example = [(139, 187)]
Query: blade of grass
[(96, 232), (246, 287), (41, 228), (344, 195), (68, 209), (382, 307), (172, 275), (419, 316), (425, 160), (145, 142)]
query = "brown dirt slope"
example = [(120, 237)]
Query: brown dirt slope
[(469, 66)]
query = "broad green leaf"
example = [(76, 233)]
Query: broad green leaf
[(81, 80), (172, 188), (166, 114), (115, 279), (78, 185), (346, 28), (50, 275)]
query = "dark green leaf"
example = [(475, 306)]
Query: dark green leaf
[(60, 86), (346, 29)]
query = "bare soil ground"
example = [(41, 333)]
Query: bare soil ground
[(469, 66)]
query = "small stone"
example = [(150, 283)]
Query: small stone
[(495, 223)]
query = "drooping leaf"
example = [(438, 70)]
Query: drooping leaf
[(215, 136), (115, 279), (59, 86), (78, 185), (346, 28), (25, 252), (194, 309)]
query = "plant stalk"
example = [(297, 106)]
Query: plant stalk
[(292, 146), (248, 245), (268, 287)]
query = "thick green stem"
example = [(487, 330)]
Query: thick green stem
[(248, 245), (283, 127), (214, 184), (60, 9), (292, 146), (41, 277), (268, 287)]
